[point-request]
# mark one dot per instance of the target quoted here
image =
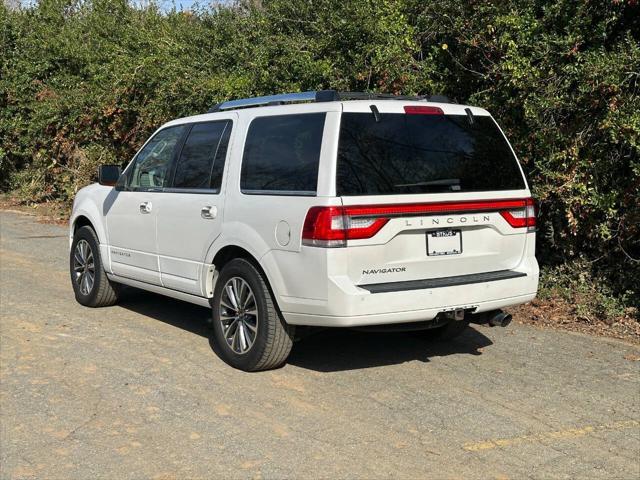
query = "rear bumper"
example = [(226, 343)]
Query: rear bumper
[(349, 305), (443, 282), (397, 317)]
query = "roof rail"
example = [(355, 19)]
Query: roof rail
[(317, 96), (311, 96), (377, 96)]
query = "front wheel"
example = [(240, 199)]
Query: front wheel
[(90, 284), (248, 329)]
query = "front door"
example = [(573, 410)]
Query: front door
[(190, 210), (132, 215)]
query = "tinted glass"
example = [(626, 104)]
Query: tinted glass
[(282, 154), (196, 163), (153, 162), (404, 154), (221, 155)]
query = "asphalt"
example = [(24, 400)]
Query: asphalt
[(136, 391)]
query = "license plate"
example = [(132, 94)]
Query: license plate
[(444, 242)]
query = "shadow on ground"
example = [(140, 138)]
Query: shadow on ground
[(329, 350), (176, 313), (339, 349)]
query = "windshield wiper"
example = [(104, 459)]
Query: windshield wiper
[(452, 183)]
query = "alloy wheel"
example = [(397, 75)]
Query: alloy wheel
[(238, 315), (84, 269)]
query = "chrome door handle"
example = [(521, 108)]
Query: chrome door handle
[(209, 212), (145, 207)]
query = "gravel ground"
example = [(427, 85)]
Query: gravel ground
[(135, 391)]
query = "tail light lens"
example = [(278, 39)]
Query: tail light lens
[(333, 226), (523, 216)]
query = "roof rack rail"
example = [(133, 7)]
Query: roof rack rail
[(377, 96), (311, 96), (318, 96)]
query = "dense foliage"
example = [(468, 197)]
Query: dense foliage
[(85, 82)]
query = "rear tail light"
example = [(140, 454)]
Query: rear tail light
[(523, 216), (333, 226)]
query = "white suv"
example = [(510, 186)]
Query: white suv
[(314, 209)]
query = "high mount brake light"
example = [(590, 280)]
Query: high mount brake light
[(333, 226), (422, 110)]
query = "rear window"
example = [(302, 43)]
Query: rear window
[(202, 158), (282, 153), (403, 154)]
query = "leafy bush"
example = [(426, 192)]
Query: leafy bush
[(84, 82), (574, 283)]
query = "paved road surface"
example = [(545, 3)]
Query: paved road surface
[(135, 391)]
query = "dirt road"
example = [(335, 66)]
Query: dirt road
[(135, 391)]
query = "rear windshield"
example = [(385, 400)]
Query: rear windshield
[(402, 154)]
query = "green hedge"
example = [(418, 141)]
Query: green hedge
[(85, 82)]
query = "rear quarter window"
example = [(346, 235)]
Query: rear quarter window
[(405, 154), (282, 153)]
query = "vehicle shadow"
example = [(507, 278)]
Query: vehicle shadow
[(183, 315), (329, 350), (340, 349)]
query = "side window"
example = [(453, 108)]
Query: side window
[(202, 158), (153, 162), (282, 154), (221, 154)]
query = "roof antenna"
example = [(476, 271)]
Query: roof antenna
[(376, 113), (469, 115)]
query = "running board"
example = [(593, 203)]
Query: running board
[(442, 282), (186, 297)]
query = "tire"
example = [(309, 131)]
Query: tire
[(449, 331), (100, 292), (250, 335)]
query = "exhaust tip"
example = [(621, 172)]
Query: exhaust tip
[(500, 319)]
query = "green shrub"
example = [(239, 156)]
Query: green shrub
[(84, 82), (591, 293)]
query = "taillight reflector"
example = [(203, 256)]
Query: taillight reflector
[(333, 226)]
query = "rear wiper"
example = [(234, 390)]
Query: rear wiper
[(376, 113), (452, 183), (469, 115)]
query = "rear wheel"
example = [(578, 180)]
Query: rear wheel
[(90, 284), (248, 329)]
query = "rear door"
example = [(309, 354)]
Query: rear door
[(442, 187), (190, 209)]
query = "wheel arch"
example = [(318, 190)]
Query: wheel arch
[(84, 217), (231, 251), (81, 221)]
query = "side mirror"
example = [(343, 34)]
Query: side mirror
[(108, 174)]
